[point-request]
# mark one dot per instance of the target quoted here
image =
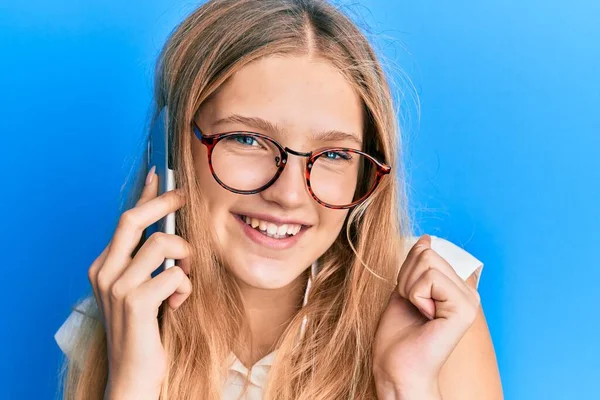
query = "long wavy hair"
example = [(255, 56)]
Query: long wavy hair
[(357, 274)]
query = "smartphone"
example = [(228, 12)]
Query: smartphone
[(160, 155)]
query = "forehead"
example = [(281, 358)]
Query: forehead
[(298, 94)]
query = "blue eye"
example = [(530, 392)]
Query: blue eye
[(337, 155), (247, 140)]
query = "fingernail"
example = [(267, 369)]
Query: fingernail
[(150, 175)]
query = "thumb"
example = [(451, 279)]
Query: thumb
[(422, 243), (424, 240)]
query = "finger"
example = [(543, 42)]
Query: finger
[(423, 243), (436, 296), (129, 230), (171, 283), (150, 189), (154, 251), (428, 259), (93, 274), (149, 192)]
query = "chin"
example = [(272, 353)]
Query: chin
[(264, 273)]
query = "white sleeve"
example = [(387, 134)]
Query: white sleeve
[(463, 262), (66, 335)]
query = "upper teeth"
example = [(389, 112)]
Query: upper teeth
[(271, 228)]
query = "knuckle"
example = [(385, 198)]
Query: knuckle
[(92, 271), (173, 199), (133, 304), (178, 195), (129, 218), (176, 273), (157, 239), (117, 291), (103, 283), (412, 294), (427, 255), (94, 268)]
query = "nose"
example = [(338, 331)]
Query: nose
[(289, 190)]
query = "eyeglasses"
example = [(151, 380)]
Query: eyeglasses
[(249, 162)]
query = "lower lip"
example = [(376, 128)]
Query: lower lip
[(264, 240)]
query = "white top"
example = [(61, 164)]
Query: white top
[(462, 261)]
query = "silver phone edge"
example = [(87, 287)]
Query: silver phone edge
[(170, 218)]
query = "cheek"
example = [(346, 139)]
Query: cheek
[(332, 222)]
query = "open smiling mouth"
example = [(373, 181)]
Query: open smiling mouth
[(270, 229)]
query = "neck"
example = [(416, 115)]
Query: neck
[(268, 311)]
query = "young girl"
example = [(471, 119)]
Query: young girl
[(297, 276)]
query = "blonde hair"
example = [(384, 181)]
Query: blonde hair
[(357, 273)]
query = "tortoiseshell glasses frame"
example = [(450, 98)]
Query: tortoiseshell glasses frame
[(210, 141)]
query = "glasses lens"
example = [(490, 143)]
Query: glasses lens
[(245, 162), (341, 177)]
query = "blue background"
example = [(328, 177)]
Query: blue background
[(503, 161)]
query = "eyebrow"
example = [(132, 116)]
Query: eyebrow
[(264, 125)]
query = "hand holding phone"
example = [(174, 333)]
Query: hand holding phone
[(130, 302)]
